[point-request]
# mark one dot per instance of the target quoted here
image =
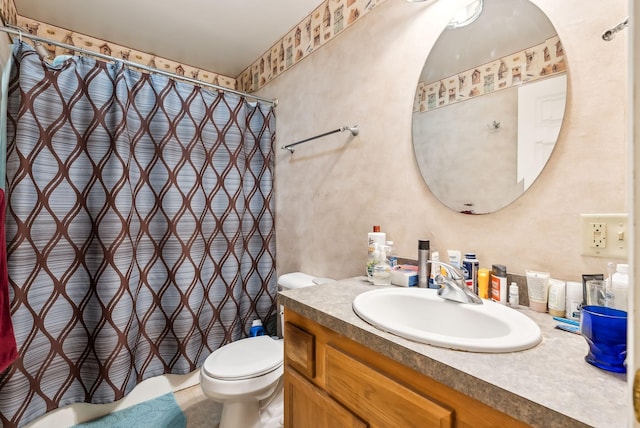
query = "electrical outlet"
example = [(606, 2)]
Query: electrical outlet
[(598, 235), (604, 235)]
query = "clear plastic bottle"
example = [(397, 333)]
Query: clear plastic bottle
[(382, 269), (620, 287), (375, 237), (391, 254)]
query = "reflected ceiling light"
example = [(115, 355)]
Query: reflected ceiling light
[(467, 15)]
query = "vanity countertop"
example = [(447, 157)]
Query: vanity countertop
[(550, 385)]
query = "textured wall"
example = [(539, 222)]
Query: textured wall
[(331, 191)]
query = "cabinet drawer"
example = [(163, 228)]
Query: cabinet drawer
[(383, 401), (306, 405), (300, 348)]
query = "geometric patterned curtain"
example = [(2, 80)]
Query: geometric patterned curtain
[(140, 229)]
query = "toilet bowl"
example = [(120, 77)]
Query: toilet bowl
[(246, 375)]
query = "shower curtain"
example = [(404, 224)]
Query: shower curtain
[(140, 229)]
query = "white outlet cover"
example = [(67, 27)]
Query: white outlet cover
[(613, 233)]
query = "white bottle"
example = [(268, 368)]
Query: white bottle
[(391, 254), (557, 298), (435, 269), (574, 297), (514, 296), (620, 287)]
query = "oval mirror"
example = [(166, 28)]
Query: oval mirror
[(489, 105)]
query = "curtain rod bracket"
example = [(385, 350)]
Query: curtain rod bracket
[(353, 129)]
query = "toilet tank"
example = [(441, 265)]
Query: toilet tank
[(290, 281), (293, 280)]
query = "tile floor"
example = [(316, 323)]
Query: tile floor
[(200, 411)]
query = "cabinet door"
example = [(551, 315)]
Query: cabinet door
[(386, 403), (305, 405), (300, 349)]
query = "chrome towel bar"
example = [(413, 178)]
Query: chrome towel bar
[(353, 129)]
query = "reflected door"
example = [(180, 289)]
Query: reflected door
[(540, 112)]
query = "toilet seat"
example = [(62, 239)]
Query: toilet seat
[(245, 358)]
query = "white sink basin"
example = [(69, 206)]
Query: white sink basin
[(420, 314)]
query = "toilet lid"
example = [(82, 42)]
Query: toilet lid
[(245, 358)]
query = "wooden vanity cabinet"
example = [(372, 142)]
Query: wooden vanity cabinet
[(332, 381), (309, 406)]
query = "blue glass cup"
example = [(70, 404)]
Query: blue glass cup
[(605, 330)]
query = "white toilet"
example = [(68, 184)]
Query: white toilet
[(246, 375)]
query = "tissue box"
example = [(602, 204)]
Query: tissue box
[(404, 277)]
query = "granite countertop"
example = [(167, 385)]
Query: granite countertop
[(550, 385)]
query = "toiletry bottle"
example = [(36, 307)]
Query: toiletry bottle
[(375, 237), (454, 258), (620, 286), (470, 270), (514, 296), (434, 269), (574, 299), (256, 329), (557, 298), (483, 283), (423, 266), (381, 270), (538, 290), (391, 254), (499, 284)]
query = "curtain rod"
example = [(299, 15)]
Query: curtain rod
[(83, 51)]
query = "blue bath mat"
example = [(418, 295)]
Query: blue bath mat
[(161, 412)]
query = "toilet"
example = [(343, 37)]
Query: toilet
[(246, 375)]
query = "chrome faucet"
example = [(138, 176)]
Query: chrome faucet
[(453, 287)]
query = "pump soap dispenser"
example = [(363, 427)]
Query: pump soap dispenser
[(382, 269)]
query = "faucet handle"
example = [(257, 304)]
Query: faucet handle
[(454, 288), (439, 279)]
